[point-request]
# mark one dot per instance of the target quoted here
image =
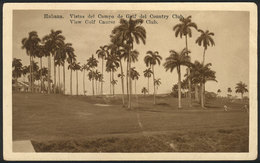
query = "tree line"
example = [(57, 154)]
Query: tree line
[(123, 39)]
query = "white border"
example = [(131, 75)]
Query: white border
[(7, 76)]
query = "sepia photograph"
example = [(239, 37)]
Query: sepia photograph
[(128, 82)]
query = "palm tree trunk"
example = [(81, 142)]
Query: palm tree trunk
[(122, 83), (196, 93), (113, 84), (130, 85), (154, 102), (148, 86), (41, 73), (96, 87), (70, 81), (110, 82), (127, 84), (102, 76), (49, 74), (189, 80), (202, 95), (242, 96), (64, 78), (84, 82), (32, 77), (59, 78), (179, 87), (203, 56), (54, 67), (77, 83)]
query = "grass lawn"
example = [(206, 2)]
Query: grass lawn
[(76, 124)]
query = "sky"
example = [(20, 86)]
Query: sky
[(229, 56)]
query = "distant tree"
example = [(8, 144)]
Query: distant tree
[(157, 83), (134, 76), (151, 60), (219, 91), (144, 90), (229, 91), (241, 88), (102, 53), (17, 68), (92, 62), (147, 74)]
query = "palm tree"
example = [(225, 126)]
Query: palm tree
[(150, 60), (25, 70), (134, 58), (134, 76), (53, 42), (147, 74), (44, 76), (219, 91), (96, 77), (184, 29), (241, 88), (176, 60), (129, 32), (92, 62), (102, 53), (34, 66), (144, 90), (17, 69), (114, 82), (229, 91), (157, 83), (77, 67), (84, 68), (112, 64), (66, 52), (202, 73), (30, 44), (205, 40)]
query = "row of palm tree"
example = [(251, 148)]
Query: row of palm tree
[(240, 88)]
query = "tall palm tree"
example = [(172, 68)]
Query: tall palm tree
[(118, 48), (77, 67), (241, 88), (157, 83), (205, 40), (53, 42), (151, 60), (130, 31), (102, 53), (144, 90), (84, 68), (92, 62), (114, 82), (147, 74), (184, 28), (176, 60), (30, 44), (202, 73), (96, 77)]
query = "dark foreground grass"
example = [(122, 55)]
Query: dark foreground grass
[(221, 140), (75, 124)]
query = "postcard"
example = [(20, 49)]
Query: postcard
[(130, 81)]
